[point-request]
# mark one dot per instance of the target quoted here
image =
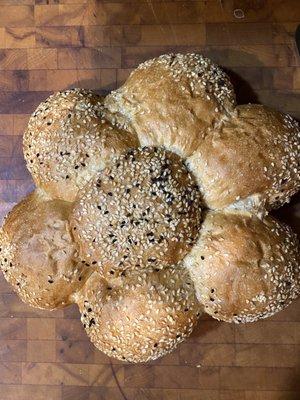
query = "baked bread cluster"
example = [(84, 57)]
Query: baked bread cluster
[(151, 207)]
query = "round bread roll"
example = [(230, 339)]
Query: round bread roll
[(244, 268), (37, 252), (172, 101), (252, 159), (68, 140), (140, 317), (144, 211)]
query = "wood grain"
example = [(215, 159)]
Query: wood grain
[(50, 45)]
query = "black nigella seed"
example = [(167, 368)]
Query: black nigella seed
[(94, 262), (212, 290), (69, 115), (112, 272), (79, 278), (155, 345), (178, 336), (106, 212), (67, 177), (18, 284), (83, 164), (113, 349), (92, 322), (76, 166), (37, 154), (49, 123), (99, 207), (5, 259), (109, 288), (186, 309), (202, 257), (10, 264), (84, 325), (89, 309), (109, 193), (50, 281), (211, 299), (127, 190)]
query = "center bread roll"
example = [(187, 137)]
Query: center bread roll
[(144, 211)]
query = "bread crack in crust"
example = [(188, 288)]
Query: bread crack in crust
[(151, 207)]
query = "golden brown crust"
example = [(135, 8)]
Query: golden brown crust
[(68, 140), (139, 317), (136, 254), (172, 101), (144, 211), (243, 268), (38, 252), (253, 156)]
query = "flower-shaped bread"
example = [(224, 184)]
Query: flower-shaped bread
[(151, 206)]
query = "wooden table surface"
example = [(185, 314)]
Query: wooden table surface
[(48, 45)]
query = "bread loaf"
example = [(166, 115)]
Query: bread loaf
[(141, 316), (244, 268), (172, 101), (152, 205), (68, 140), (143, 212), (38, 254), (252, 156)]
